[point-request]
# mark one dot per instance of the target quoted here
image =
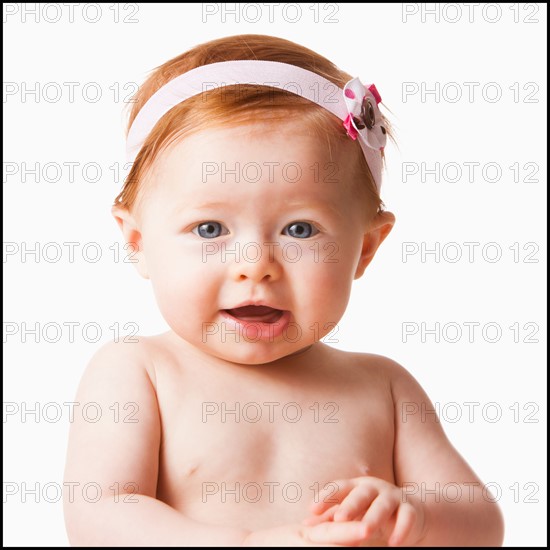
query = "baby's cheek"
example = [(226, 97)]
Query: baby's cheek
[(323, 293), (183, 291)]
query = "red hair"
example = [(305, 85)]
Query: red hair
[(220, 107)]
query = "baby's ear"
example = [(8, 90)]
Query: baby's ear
[(379, 229), (130, 229)]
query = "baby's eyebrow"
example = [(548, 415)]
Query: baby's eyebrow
[(316, 205), (211, 204), (181, 207)]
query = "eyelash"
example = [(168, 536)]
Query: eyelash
[(196, 226), (316, 229)]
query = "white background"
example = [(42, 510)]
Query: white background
[(389, 45)]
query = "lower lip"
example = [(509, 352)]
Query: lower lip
[(256, 330)]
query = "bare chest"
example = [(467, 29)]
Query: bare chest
[(256, 455)]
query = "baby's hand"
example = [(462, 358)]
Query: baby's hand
[(345, 534), (378, 506)]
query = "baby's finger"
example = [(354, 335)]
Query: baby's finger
[(406, 518), (346, 533), (327, 515), (354, 506), (379, 513), (332, 493)]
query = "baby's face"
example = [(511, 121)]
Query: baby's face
[(255, 215)]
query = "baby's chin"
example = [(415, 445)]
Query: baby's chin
[(249, 352), (254, 353)]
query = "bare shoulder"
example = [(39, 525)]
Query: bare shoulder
[(398, 376), (375, 366), (123, 363), (122, 376)]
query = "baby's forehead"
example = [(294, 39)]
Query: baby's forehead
[(270, 172), (255, 150)]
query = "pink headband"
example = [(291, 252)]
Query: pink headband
[(355, 105)]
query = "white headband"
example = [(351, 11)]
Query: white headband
[(355, 105)]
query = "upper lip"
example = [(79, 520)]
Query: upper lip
[(255, 303)]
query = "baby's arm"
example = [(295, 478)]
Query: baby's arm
[(120, 454), (425, 460)]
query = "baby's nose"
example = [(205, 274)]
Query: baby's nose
[(256, 261)]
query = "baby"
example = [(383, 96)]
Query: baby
[(252, 204)]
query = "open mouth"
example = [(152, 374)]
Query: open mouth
[(258, 314)]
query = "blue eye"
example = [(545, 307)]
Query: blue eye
[(301, 230), (209, 230)]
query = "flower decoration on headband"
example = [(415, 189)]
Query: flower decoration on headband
[(364, 118)]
